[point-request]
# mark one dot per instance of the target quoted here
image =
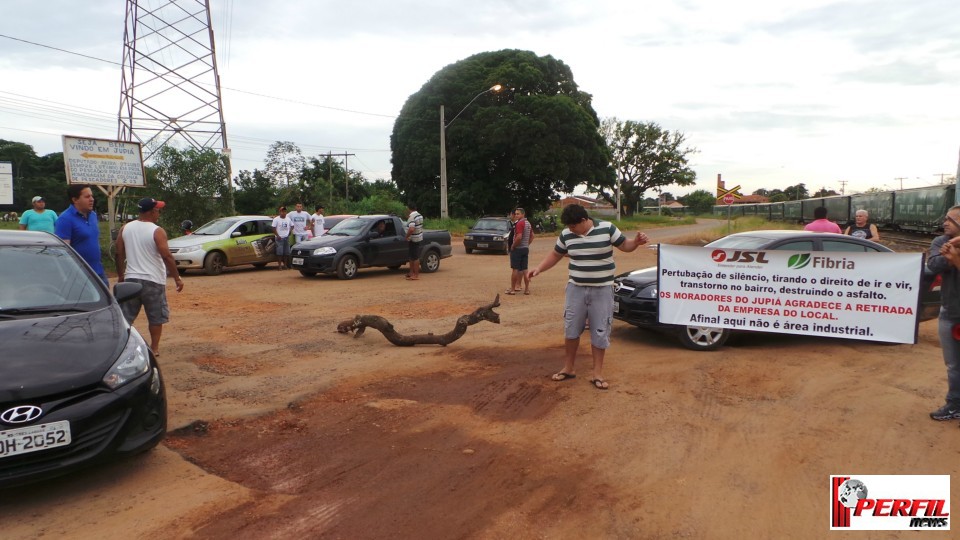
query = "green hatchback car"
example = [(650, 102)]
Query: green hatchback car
[(226, 242)]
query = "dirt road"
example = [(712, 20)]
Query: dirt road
[(290, 430)]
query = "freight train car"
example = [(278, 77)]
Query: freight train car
[(878, 204), (922, 209)]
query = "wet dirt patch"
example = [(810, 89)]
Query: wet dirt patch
[(403, 457)]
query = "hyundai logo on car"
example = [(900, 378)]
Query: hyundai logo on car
[(21, 414)]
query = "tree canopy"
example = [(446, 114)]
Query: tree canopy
[(520, 146), (644, 157)]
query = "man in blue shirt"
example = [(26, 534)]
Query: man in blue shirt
[(79, 227), (38, 218)]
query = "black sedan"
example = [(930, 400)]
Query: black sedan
[(488, 234), (78, 385), (636, 300)]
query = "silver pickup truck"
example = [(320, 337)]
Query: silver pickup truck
[(359, 243)]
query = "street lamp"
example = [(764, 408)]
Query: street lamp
[(443, 149)]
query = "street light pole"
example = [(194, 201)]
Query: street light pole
[(444, 214)]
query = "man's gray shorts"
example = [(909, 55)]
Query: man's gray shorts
[(593, 302), (153, 299)]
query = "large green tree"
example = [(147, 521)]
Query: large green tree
[(521, 145), (644, 157), (700, 201), (193, 183)]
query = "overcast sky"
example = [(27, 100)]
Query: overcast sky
[(770, 93)]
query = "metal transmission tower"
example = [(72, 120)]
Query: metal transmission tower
[(170, 88)]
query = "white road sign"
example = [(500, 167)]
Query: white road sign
[(102, 162), (6, 182)]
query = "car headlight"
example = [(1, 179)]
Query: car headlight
[(190, 249), (133, 362), (498, 239), (467, 237), (648, 292), (325, 251)]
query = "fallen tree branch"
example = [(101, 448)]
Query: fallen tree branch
[(360, 322)]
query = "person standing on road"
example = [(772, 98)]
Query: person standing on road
[(414, 237), (862, 229), (79, 227), (944, 259), (520, 253), (820, 222), (589, 243), (143, 256), (300, 221), (281, 232), (38, 218), (316, 220)]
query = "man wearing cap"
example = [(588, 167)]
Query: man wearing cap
[(143, 257), (38, 218), (79, 227), (281, 230)]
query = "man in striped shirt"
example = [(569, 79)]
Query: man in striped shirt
[(589, 243)]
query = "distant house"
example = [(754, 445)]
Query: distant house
[(593, 206)]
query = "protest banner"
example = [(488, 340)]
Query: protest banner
[(869, 296)]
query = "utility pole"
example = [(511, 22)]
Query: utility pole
[(843, 185), (901, 179), (346, 181)]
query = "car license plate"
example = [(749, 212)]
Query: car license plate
[(297, 261), (18, 441), (483, 245), (616, 306)]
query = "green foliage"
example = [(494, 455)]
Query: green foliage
[(377, 204), (193, 183), (38, 175), (700, 201), (516, 147), (255, 194), (644, 157)]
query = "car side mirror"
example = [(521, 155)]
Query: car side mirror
[(126, 290), (235, 234)]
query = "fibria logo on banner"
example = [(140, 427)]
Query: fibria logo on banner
[(889, 502)]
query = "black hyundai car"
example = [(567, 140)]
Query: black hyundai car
[(78, 385), (636, 300)]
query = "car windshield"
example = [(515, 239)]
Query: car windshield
[(348, 227), (55, 281), (739, 242), (494, 224), (216, 227)]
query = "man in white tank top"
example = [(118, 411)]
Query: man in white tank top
[(143, 257)]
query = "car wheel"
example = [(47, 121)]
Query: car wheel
[(703, 338), (214, 263), (430, 262), (347, 267), (307, 273)]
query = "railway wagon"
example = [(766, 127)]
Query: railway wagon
[(922, 209), (878, 204), (838, 208), (792, 211)]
